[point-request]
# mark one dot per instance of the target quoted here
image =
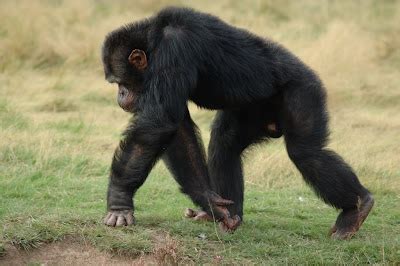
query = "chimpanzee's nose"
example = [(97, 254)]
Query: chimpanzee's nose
[(122, 90)]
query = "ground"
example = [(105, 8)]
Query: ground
[(69, 253), (59, 125)]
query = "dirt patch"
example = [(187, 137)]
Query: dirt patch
[(69, 253)]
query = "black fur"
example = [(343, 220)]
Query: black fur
[(252, 81)]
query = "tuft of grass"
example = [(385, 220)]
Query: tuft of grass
[(61, 85), (2, 250), (10, 118), (75, 126), (58, 105), (96, 98)]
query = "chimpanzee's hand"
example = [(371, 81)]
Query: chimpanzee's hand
[(119, 218)]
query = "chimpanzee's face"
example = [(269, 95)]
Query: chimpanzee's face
[(125, 67)]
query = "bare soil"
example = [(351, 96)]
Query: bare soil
[(69, 253)]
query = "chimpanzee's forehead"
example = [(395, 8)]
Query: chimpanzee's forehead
[(112, 78), (114, 62), (112, 74)]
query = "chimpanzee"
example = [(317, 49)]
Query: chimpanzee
[(260, 90)]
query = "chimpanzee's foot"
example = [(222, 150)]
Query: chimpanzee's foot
[(119, 218), (197, 215), (227, 224), (349, 221), (218, 210)]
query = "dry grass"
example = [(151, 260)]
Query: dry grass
[(54, 102)]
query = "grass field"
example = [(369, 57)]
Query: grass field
[(59, 125)]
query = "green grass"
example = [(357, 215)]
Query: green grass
[(46, 200), (59, 125)]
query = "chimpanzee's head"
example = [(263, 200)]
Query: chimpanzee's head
[(125, 61)]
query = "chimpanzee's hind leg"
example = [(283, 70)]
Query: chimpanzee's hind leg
[(185, 158), (232, 132), (305, 129)]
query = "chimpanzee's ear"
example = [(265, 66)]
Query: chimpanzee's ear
[(138, 59)]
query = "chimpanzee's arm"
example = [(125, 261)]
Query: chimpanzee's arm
[(143, 142)]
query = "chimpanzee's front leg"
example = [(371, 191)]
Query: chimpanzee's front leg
[(144, 141), (131, 165)]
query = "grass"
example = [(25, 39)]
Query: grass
[(59, 126)]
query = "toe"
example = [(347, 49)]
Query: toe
[(107, 217), (190, 213), (202, 216), (223, 228), (236, 221), (112, 220), (230, 224), (120, 221), (332, 230), (340, 235), (130, 219)]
